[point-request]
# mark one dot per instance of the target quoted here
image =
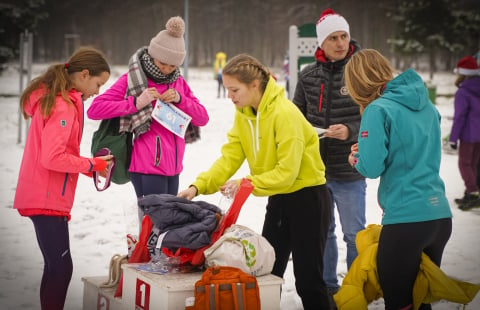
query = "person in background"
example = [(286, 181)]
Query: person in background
[(286, 71), (466, 129), (220, 60), (281, 149), (321, 95), (51, 161), (400, 142), (153, 74)]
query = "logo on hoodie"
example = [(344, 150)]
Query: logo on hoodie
[(63, 123)]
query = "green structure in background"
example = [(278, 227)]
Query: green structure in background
[(301, 48), (432, 92)]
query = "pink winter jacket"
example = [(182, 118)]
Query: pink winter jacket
[(51, 159), (157, 151)]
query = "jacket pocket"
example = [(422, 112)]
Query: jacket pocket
[(158, 151)]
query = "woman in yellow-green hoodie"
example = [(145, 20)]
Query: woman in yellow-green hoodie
[(282, 151)]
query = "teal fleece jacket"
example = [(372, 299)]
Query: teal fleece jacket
[(400, 142)]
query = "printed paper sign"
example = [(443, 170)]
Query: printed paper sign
[(171, 117)]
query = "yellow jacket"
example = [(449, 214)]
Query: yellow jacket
[(361, 286)]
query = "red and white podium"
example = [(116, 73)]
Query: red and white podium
[(151, 291)]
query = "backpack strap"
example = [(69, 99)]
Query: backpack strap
[(239, 296)]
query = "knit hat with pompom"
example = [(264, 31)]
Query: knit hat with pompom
[(328, 23), (168, 46)]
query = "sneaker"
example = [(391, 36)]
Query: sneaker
[(467, 197), (474, 203)]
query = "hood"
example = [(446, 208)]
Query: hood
[(272, 90), (409, 90), (472, 86), (266, 106), (34, 101)]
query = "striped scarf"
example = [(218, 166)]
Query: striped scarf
[(139, 66)]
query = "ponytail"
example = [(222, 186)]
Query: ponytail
[(56, 80)]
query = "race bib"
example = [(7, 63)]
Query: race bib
[(171, 117)]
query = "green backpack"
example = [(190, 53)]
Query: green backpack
[(120, 145)]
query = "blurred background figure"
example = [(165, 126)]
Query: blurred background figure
[(466, 129), (286, 72), (220, 60)]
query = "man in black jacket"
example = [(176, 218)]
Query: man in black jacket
[(322, 97)]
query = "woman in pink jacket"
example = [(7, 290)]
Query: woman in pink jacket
[(51, 161), (153, 73)]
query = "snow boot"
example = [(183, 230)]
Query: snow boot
[(467, 197), (473, 201)]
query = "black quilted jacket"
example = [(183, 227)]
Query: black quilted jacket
[(322, 97)]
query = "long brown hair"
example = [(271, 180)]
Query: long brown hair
[(366, 74), (246, 69), (56, 80)]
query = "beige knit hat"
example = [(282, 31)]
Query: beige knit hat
[(168, 46)]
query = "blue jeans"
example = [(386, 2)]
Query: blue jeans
[(349, 197)]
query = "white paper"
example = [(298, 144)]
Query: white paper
[(320, 131), (171, 117)]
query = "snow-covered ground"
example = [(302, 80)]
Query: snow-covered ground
[(101, 220)]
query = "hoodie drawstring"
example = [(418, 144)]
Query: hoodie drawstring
[(256, 140)]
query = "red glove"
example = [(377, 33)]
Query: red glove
[(99, 164)]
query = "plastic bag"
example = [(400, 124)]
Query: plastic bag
[(243, 248)]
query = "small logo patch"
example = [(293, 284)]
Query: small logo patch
[(63, 123), (364, 134), (344, 91)]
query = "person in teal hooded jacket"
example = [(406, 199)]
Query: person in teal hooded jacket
[(281, 148), (400, 142)]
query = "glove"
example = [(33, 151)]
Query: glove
[(453, 145), (145, 98)]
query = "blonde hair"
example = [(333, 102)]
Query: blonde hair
[(56, 80), (366, 74), (246, 69)]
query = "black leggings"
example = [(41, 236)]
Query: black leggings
[(398, 259), (147, 184), (54, 242), (298, 223)]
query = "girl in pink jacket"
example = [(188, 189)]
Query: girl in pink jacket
[(153, 73), (51, 161)]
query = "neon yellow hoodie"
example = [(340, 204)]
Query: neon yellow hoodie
[(280, 145)]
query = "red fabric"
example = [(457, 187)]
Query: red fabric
[(140, 254), (194, 257), (51, 158), (327, 12), (99, 164), (39, 211), (467, 62), (230, 218)]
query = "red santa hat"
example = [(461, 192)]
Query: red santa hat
[(467, 66), (328, 23)]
